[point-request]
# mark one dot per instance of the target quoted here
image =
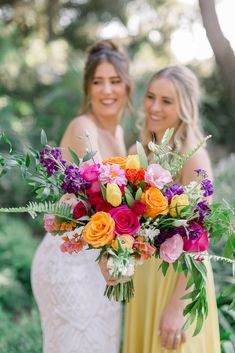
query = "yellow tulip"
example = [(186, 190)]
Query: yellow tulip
[(178, 202), (133, 162), (113, 195)]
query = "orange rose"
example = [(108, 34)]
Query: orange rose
[(121, 161), (135, 174), (100, 230), (126, 241), (155, 202)]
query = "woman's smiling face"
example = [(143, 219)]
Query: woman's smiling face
[(107, 91), (161, 106)]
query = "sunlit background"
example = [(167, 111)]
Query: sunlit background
[(43, 47)]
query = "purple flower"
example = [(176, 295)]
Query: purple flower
[(50, 158), (168, 233), (203, 210), (173, 190), (207, 187), (73, 181), (201, 172)]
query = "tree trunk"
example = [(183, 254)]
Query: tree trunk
[(223, 52)]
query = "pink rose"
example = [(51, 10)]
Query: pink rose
[(172, 248), (126, 221), (49, 222), (79, 210), (157, 176), (198, 240)]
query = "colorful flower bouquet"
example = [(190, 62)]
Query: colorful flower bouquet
[(130, 210)]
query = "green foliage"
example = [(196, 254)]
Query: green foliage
[(19, 324)]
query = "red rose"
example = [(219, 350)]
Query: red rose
[(79, 210), (94, 199), (103, 206), (139, 207)]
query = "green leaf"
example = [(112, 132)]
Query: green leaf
[(74, 156), (138, 194), (189, 321), (27, 160), (230, 290), (103, 190), (5, 139), (167, 136), (164, 267), (89, 155), (142, 155), (43, 138), (200, 320), (129, 198)]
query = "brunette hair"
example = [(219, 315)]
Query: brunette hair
[(105, 51)]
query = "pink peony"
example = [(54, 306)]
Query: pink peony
[(112, 173), (126, 221), (49, 222), (79, 210), (198, 240), (157, 176), (172, 248)]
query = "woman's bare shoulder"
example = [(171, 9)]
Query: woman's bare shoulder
[(132, 149)]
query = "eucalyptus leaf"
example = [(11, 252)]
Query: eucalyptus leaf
[(43, 138), (74, 156), (142, 155), (89, 155)]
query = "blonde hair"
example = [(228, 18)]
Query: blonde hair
[(187, 90), (106, 51)]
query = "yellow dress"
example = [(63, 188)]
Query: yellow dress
[(143, 313)]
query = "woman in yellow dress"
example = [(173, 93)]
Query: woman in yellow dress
[(154, 317)]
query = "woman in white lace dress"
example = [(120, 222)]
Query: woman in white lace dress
[(75, 316)]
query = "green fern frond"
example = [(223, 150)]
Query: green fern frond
[(187, 155), (57, 209), (212, 257)]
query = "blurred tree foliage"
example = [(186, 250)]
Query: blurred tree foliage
[(42, 51)]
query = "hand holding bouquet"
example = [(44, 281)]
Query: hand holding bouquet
[(130, 210)]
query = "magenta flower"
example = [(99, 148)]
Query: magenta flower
[(112, 173), (172, 248), (90, 171), (126, 221), (198, 239), (157, 176)]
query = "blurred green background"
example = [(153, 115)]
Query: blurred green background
[(42, 49)]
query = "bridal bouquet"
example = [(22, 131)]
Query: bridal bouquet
[(130, 210)]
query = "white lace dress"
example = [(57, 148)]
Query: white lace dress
[(75, 316)]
